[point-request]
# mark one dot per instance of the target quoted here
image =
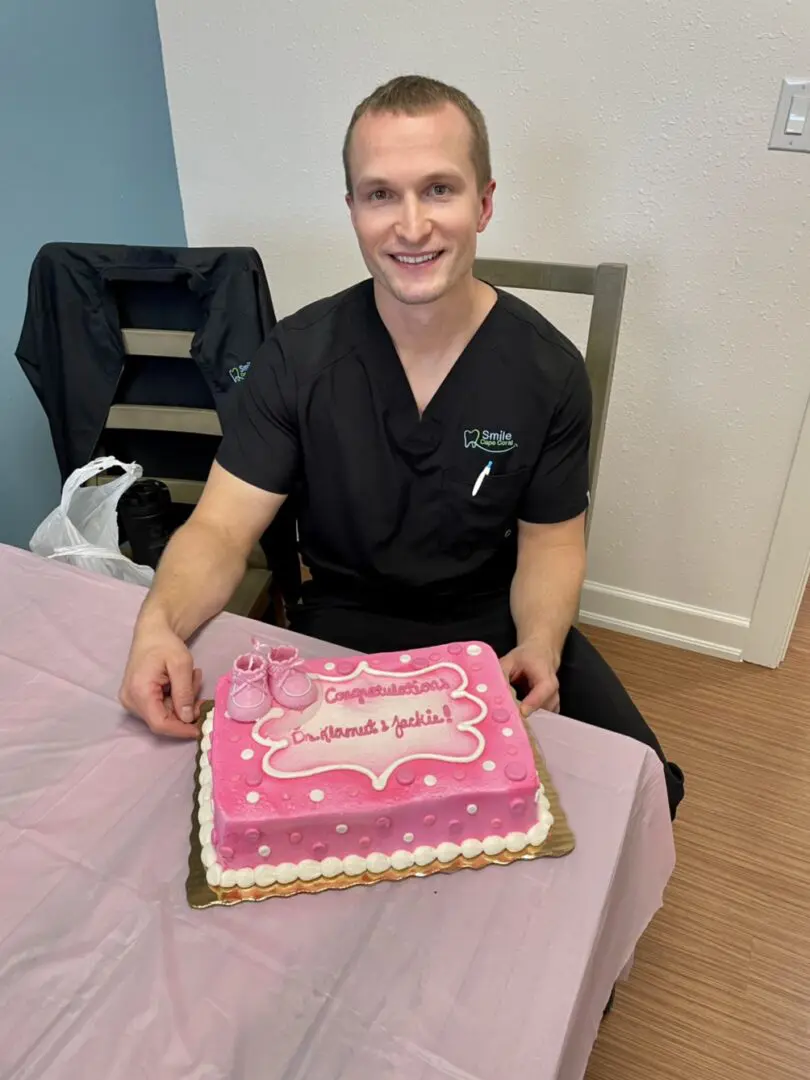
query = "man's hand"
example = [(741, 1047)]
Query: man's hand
[(161, 684), (533, 665)]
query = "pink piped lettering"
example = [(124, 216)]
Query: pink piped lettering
[(426, 719), (299, 736), (361, 694)]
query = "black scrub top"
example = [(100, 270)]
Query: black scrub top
[(384, 498)]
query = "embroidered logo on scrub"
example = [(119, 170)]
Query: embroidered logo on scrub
[(494, 442)]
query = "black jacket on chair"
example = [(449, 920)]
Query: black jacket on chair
[(71, 348), (72, 352)]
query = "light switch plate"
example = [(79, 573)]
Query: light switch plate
[(780, 140)]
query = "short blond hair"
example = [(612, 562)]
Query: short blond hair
[(414, 95)]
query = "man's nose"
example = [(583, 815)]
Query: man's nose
[(413, 224)]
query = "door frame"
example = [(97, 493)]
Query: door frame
[(787, 565)]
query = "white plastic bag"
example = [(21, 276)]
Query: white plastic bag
[(83, 529)]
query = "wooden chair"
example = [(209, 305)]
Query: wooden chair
[(255, 591), (606, 284)]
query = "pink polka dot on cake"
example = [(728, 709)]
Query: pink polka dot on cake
[(518, 806), (429, 819), (320, 850), (253, 779), (420, 661), (459, 774), (353, 793), (515, 770), (476, 667), (234, 738), (252, 835), (296, 838), (500, 716), (435, 657), (454, 827), (226, 852), (345, 668), (405, 776), (454, 649), (512, 750), (383, 823), (364, 843), (496, 823), (498, 700)]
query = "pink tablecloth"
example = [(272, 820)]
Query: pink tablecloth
[(108, 973)]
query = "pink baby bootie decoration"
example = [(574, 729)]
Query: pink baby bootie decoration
[(289, 683), (249, 697)]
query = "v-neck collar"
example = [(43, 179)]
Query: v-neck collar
[(398, 393)]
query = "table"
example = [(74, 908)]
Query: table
[(107, 972)]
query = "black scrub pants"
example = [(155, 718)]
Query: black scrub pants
[(590, 691)]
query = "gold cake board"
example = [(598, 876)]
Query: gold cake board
[(559, 841)]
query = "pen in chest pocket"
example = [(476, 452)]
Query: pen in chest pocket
[(487, 469)]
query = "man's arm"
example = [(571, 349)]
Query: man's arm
[(544, 599), (198, 573)]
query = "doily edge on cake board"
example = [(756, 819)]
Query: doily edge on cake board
[(559, 841)]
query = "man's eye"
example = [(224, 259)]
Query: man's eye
[(378, 196), (440, 189)]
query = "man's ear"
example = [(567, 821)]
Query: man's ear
[(487, 206)]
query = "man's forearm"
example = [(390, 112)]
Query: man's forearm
[(198, 573), (545, 593)]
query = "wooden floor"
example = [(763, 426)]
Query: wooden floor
[(721, 983)]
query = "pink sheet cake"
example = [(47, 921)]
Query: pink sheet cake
[(323, 767)]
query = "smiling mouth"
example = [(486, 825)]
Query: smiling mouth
[(416, 260)]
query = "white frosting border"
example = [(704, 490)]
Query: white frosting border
[(379, 780), (376, 862)]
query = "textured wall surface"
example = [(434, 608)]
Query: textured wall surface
[(86, 153), (634, 132)]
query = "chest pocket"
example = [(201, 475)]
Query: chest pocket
[(483, 521)]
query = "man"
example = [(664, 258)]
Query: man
[(433, 434)]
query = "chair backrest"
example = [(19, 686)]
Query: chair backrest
[(277, 549), (606, 284), (169, 345)]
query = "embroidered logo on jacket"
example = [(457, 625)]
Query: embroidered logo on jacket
[(239, 372), (493, 442)]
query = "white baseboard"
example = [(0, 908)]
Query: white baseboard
[(699, 629)]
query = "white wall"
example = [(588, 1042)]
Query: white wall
[(635, 133)]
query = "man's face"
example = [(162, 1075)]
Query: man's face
[(415, 205)]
